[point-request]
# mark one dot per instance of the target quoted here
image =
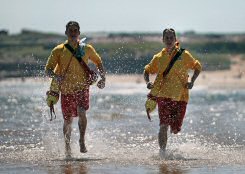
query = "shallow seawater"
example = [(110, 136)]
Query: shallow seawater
[(119, 137)]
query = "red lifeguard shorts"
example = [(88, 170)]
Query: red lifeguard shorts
[(70, 102), (171, 113)]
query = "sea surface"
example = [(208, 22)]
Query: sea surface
[(119, 137)]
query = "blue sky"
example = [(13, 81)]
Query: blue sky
[(124, 15)]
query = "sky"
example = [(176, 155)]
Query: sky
[(203, 16)]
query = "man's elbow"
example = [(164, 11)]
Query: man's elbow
[(49, 72), (145, 72)]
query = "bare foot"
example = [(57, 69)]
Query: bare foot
[(83, 148), (67, 151)]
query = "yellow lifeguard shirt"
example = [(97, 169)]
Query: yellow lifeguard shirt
[(75, 76), (174, 84)]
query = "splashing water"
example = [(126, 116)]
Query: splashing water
[(118, 132)]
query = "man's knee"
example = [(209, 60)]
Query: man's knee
[(68, 120), (81, 111), (163, 127)]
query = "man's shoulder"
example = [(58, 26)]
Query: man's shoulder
[(59, 47), (88, 46), (186, 53), (160, 54)]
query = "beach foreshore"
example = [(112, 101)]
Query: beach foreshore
[(234, 78), (227, 79), (214, 79)]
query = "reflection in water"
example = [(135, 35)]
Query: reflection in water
[(165, 169), (69, 169)]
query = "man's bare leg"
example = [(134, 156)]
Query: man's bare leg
[(67, 135), (82, 124), (163, 136), (162, 140)]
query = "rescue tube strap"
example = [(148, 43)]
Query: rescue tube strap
[(173, 60)]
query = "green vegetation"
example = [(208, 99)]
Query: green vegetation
[(221, 47), (127, 57), (243, 57), (25, 54), (214, 61)]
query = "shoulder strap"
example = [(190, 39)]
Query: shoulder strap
[(171, 64), (78, 57), (70, 49)]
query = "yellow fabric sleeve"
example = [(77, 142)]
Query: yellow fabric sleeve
[(53, 58), (153, 66), (93, 55), (191, 62)]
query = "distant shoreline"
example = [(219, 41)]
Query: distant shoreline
[(216, 79), (234, 78)]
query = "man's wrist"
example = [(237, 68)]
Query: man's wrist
[(192, 81), (51, 74)]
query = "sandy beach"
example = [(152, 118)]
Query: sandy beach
[(222, 79), (228, 79), (234, 78), (216, 79)]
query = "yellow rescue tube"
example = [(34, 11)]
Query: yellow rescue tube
[(53, 93), (150, 105)]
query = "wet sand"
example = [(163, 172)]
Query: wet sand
[(215, 79)]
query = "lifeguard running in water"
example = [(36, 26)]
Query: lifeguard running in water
[(66, 67), (170, 90)]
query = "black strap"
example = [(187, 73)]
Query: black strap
[(171, 64), (78, 57)]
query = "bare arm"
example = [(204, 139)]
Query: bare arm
[(147, 80), (101, 83), (101, 71), (146, 77), (193, 78)]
